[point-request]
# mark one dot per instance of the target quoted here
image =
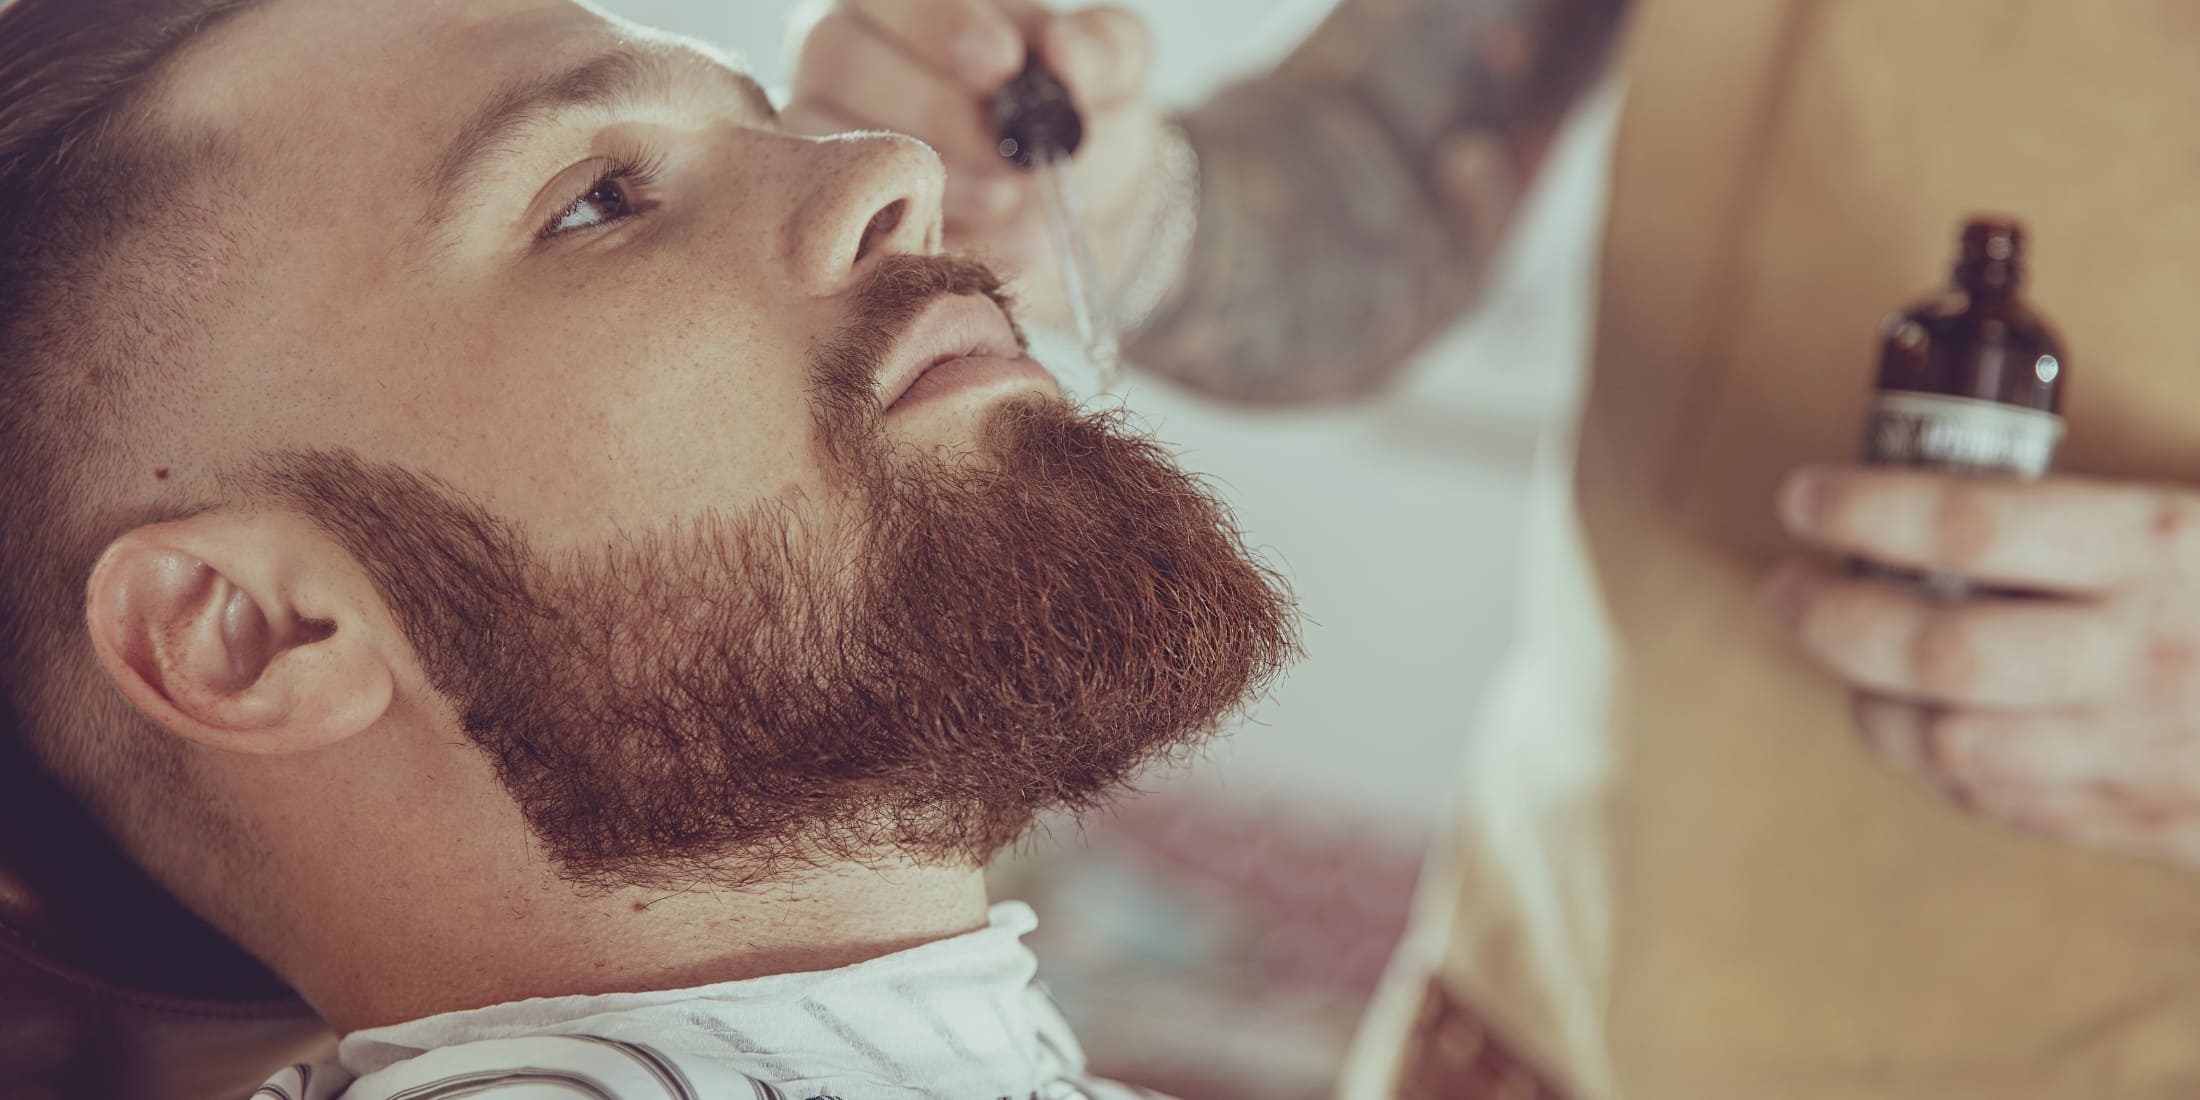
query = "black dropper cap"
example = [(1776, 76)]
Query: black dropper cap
[(1992, 238), (1035, 118), (1992, 259)]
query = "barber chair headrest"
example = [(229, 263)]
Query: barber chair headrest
[(108, 987)]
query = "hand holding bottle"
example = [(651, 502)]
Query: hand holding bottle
[(2031, 647), (2072, 710)]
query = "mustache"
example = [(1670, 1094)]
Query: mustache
[(888, 302)]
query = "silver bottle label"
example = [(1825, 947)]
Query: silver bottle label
[(1961, 435)]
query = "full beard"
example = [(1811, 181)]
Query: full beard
[(915, 672)]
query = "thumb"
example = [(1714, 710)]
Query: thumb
[(1103, 54)]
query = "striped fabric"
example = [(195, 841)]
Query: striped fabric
[(961, 1019)]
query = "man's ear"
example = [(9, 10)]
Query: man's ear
[(242, 632)]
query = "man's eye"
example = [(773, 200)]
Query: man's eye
[(601, 205), (613, 197)]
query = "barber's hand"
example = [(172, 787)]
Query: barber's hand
[(2074, 713), (930, 68)]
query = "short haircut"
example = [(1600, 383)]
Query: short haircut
[(85, 182)]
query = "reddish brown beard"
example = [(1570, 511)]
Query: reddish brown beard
[(737, 699)]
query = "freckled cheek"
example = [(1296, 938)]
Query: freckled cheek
[(690, 365), (706, 406)]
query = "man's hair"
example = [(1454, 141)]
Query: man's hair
[(88, 305)]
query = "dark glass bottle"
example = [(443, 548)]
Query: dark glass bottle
[(1971, 381)]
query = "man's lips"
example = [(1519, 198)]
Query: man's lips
[(966, 331)]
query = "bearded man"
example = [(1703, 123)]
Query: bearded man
[(557, 566)]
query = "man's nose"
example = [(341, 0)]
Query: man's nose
[(870, 195)]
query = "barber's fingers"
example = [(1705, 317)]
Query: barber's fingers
[(2057, 750), (979, 44), (931, 68), (2103, 816), (975, 201), (2058, 534), (845, 67), (1978, 651), (2126, 781), (1104, 55)]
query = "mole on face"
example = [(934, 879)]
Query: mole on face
[(161, 474)]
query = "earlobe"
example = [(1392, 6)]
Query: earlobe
[(231, 631)]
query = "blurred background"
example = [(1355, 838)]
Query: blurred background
[(1218, 934)]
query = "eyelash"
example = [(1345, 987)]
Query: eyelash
[(633, 174)]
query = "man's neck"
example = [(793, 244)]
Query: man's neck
[(545, 940)]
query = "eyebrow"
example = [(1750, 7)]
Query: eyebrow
[(523, 105)]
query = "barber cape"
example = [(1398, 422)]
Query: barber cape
[(959, 1019)]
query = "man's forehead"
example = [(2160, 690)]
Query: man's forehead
[(296, 71)]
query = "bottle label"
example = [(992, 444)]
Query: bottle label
[(1960, 435)]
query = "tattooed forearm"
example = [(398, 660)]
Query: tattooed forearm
[(1352, 198)]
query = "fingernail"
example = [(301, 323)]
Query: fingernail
[(1800, 499), (1787, 593)]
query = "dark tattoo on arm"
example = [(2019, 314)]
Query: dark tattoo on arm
[(1351, 199)]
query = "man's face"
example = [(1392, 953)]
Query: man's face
[(596, 373), (594, 310)]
